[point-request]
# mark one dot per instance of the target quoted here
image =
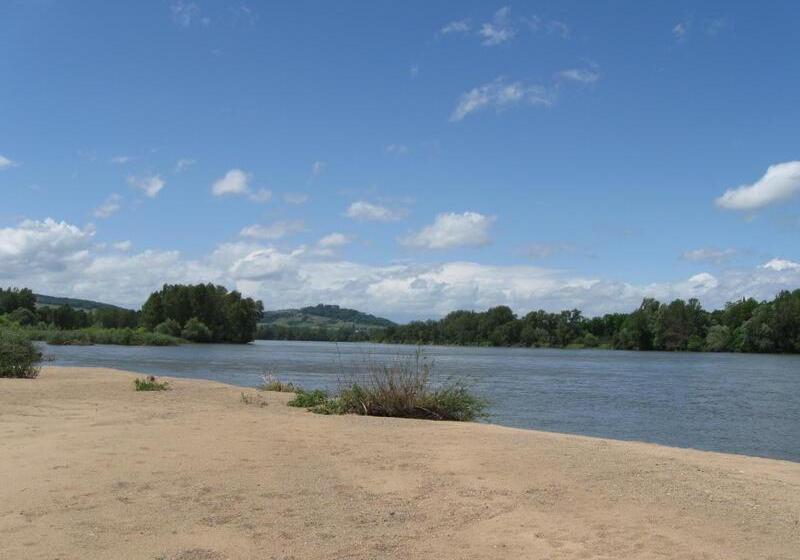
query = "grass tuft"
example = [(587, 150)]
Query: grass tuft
[(256, 400), (270, 382), (150, 383)]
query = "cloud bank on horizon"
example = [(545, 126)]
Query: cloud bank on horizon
[(462, 157)]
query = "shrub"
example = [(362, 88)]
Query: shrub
[(18, 355), (195, 330), (150, 383), (23, 317), (170, 327), (403, 388), (309, 399)]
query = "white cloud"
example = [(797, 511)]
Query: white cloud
[(780, 265), (414, 71), (317, 168), (545, 250), (151, 185), (555, 27), (187, 14), (261, 195), (499, 30), (121, 160), (708, 254), (450, 230), (109, 207), (459, 26), (396, 149), (5, 163), (781, 181), (681, 30), (366, 211), (183, 164), (500, 94), (59, 258), (274, 231), (582, 75), (123, 246), (333, 240), (295, 198), (237, 182)]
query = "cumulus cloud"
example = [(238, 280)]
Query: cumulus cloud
[(277, 230), (780, 265), (123, 246), (110, 207), (334, 240), (450, 230), (237, 182), (708, 254), (780, 182), (63, 259), (5, 163), (367, 211), (151, 185), (500, 95), (499, 30)]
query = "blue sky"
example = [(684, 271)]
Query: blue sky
[(402, 158)]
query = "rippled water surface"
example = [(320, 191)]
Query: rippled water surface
[(737, 403)]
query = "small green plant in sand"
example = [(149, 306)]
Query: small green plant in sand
[(309, 399), (255, 400), (150, 383), (404, 388)]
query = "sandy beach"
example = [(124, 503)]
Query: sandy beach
[(89, 468)]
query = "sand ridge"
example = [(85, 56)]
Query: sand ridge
[(90, 469)]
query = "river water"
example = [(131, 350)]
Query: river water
[(736, 403)]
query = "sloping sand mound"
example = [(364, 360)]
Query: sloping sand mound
[(91, 469)]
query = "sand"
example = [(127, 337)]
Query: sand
[(89, 468)]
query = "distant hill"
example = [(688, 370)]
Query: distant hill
[(85, 304), (324, 316)]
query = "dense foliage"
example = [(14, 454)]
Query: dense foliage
[(742, 326), (201, 313), (227, 316), (94, 335), (18, 356)]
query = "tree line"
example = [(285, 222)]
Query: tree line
[(745, 325), (199, 313), (741, 326)]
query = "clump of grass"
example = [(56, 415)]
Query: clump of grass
[(403, 388), (256, 400), (150, 383), (270, 382)]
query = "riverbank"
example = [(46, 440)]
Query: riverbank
[(93, 469)]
